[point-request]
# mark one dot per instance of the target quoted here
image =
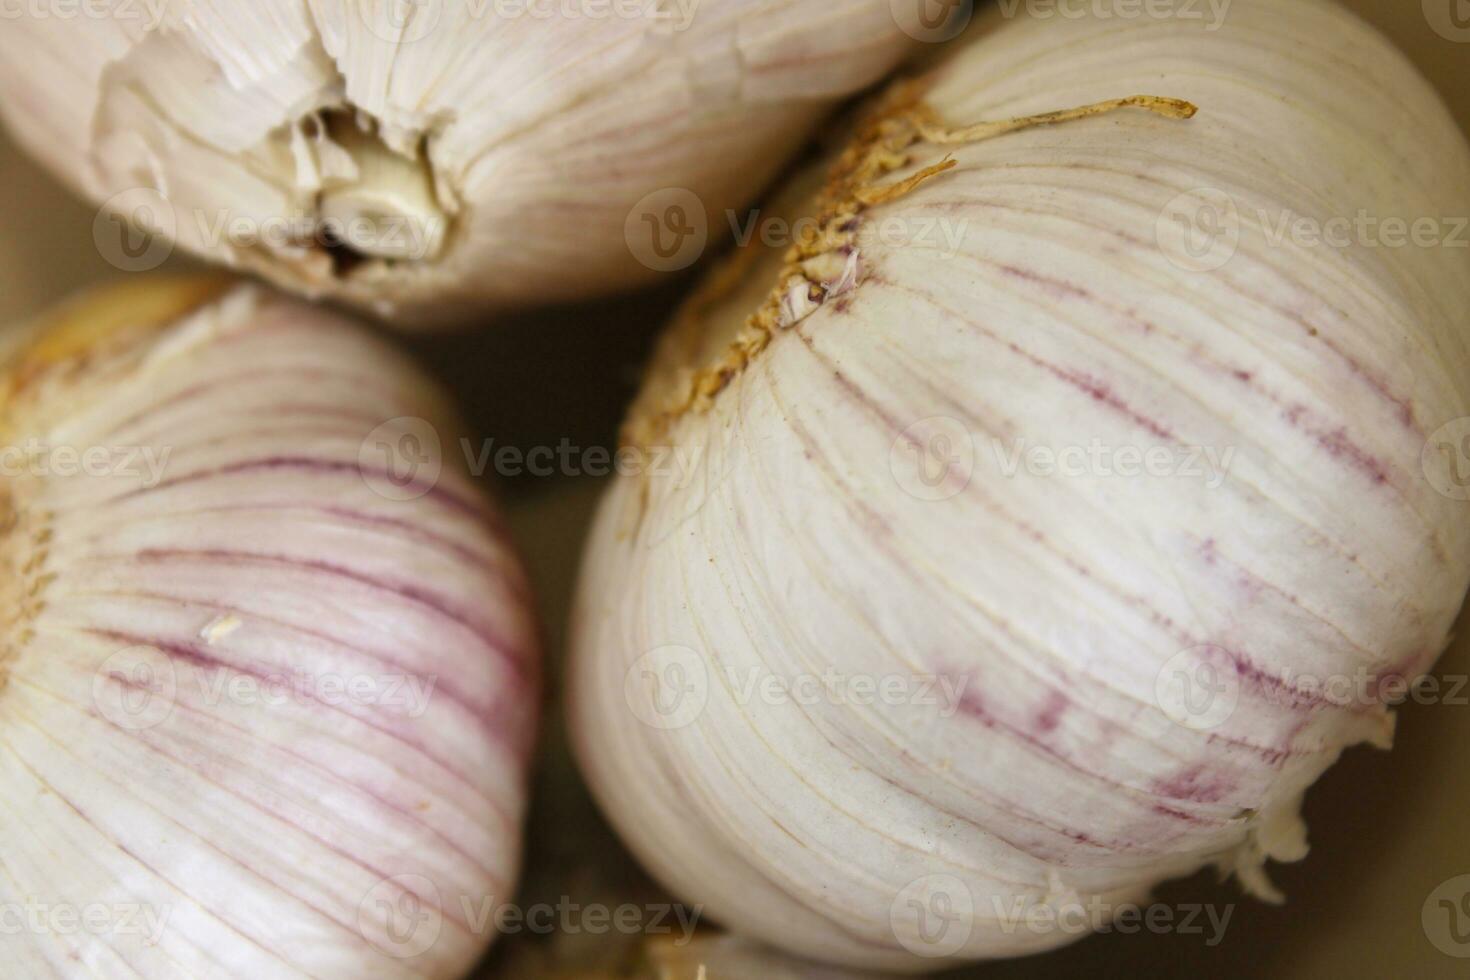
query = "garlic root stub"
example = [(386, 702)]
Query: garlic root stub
[(428, 160), (267, 693), (1057, 522)]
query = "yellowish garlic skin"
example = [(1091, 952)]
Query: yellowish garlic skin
[(883, 686), (266, 705), (429, 161)]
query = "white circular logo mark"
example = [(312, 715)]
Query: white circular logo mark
[(134, 230), (136, 688), (1198, 688), (1446, 917), (401, 916), (1199, 231), (933, 21), (1450, 19), (667, 230), (401, 21), (933, 916), (933, 459), (667, 688), (401, 459), (1446, 459)]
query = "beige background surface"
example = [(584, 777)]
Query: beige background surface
[(1387, 829)]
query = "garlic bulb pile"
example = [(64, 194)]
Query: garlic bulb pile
[(267, 691), (1065, 507), (427, 158)]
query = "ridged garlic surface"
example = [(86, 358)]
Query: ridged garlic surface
[(265, 704), (887, 686), (467, 156)]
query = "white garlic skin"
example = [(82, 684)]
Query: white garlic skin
[(1060, 601), (534, 138), (224, 829)]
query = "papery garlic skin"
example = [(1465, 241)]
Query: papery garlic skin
[(508, 150), (264, 711), (1048, 761)]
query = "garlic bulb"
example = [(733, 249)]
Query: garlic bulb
[(1064, 510), (266, 691), (429, 158)]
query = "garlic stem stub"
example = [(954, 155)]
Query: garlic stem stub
[(386, 190), (1064, 509), (429, 160), (269, 672)]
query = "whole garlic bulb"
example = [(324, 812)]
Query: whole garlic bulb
[(430, 158), (1064, 508), (266, 694)]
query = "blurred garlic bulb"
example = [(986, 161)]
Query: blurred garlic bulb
[(429, 158), (265, 699), (1064, 508)]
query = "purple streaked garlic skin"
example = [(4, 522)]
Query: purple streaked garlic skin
[(266, 704), (430, 161), (1100, 678)]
